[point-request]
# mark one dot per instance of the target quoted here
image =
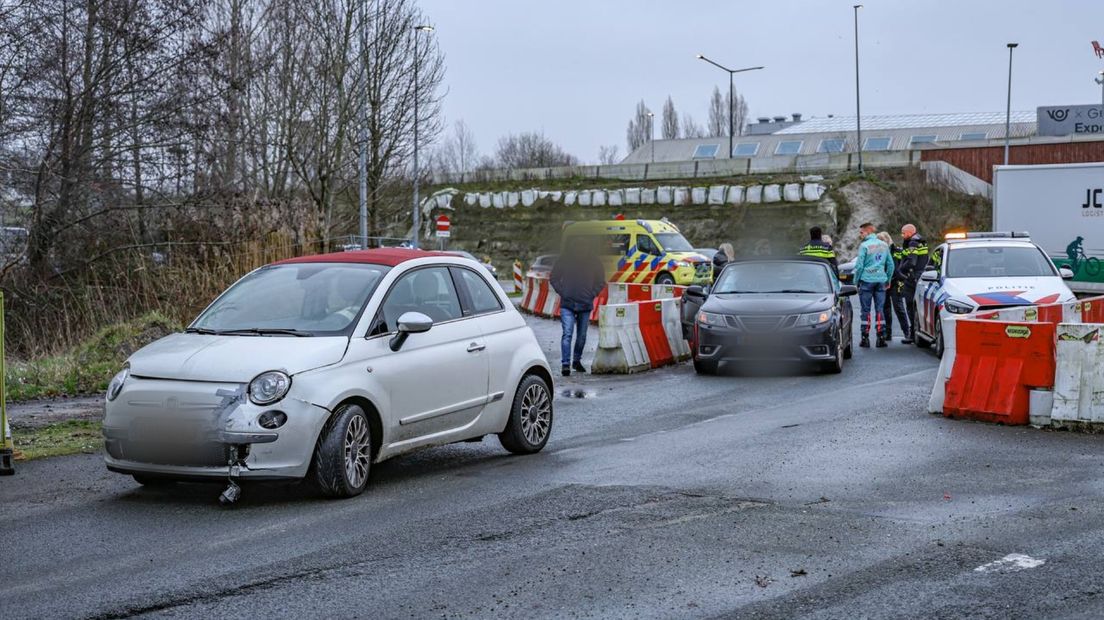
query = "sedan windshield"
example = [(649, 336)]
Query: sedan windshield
[(998, 262), (774, 277), (674, 242), (305, 299)]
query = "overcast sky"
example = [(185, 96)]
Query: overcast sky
[(575, 69)]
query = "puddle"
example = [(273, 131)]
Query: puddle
[(578, 393)]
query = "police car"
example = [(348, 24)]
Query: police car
[(984, 271)]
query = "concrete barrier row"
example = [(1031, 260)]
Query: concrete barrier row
[(638, 336), (539, 298), (1037, 364)]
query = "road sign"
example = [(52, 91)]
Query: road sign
[(443, 225)]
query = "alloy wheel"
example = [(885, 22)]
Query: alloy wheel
[(536, 413), (358, 451)]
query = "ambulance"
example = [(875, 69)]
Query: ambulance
[(643, 251)]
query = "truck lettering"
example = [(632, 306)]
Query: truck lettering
[(1092, 198)]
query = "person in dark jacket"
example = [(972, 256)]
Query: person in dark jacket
[(817, 247), (721, 257), (915, 254), (578, 277), (895, 300)]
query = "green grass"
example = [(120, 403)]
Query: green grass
[(70, 437), (88, 368)]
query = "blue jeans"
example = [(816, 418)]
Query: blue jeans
[(573, 321), (871, 293)]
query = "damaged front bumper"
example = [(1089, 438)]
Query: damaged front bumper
[(206, 431)]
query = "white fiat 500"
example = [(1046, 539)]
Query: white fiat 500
[(317, 367)]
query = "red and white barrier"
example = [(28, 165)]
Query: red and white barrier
[(519, 280), (638, 336), (540, 298)]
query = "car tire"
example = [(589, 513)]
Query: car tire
[(939, 346), (343, 455), (835, 366), (920, 340), (703, 367), (849, 350), (530, 422), (665, 278), (153, 480)]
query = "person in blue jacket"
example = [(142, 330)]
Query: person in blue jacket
[(873, 271)]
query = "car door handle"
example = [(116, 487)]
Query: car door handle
[(476, 346)]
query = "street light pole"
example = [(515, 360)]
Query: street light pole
[(1100, 80), (731, 95), (651, 133), (362, 159), (417, 96), (1008, 108), (858, 108)]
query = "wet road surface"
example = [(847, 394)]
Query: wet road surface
[(659, 495)]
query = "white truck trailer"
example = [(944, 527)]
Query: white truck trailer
[(1062, 206)]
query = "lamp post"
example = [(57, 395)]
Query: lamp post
[(651, 133), (1008, 108), (731, 102), (417, 207), (858, 108)]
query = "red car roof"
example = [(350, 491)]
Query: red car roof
[(382, 256)]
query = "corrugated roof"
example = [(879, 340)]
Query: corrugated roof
[(904, 121)]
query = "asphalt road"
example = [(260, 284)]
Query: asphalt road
[(659, 495)]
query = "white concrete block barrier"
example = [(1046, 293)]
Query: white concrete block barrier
[(633, 337), (939, 390), (1078, 398)]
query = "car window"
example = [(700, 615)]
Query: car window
[(998, 262), (774, 277), (482, 297), (645, 244), (429, 291), (674, 242)]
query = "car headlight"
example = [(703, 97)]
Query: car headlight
[(116, 384), (957, 307), (682, 264), (814, 318), (709, 318), (269, 387)]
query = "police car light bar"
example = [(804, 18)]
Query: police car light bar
[(987, 235)]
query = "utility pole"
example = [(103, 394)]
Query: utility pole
[(1008, 109), (651, 134), (731, 95), (362, 159), (417, 96), (858, 108)]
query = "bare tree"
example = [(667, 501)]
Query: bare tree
[(670, 120), (718, 115), (531, 150), (608, 155), (457, 153), (690, 128), (640, 127), (739, 113)]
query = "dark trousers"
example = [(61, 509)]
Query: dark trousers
[(573, 322), (895, 305), (910, 307)]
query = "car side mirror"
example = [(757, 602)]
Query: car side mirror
[(409, 323), (848, 290), (930, 275), (1066, 273), (695, 292)]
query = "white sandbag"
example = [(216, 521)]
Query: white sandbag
[(528, 197), (754, 194), (647, 196), (444, 201), (665, 195), (615, 198), (791, 192), (555, 196), (471, 199), (717, 195), (698, 195), (632, 196), (499, 200), (681, 197), (598, 198), (485, 199), (772, 193), (735, 194), (811, 192), (570, 198), (584, 198), (512, 199)]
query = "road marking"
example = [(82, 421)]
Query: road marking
[(1010, 563)]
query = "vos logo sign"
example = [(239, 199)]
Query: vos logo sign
[(1058, 115)]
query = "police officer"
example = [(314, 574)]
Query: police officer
[(819, 248), (915, 255), (895, 299)]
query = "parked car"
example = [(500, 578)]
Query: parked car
[(642, 251), (317, 367), (468, 255), (984, 271), (542, 266), (789, 309)]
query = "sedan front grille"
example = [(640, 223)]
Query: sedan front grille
[(762, 323), (207, 454)]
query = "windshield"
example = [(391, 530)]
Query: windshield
[(673, 242), (773, 277), (998, 262), (305, 299)]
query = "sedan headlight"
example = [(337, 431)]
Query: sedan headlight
[(814, 318), (957, 307), (269, 387), (709, 318), (116, 384)]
